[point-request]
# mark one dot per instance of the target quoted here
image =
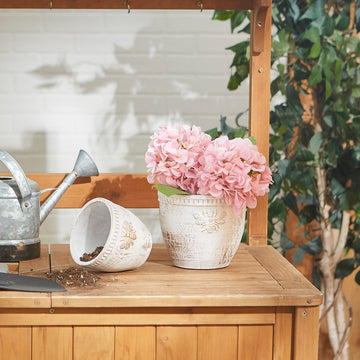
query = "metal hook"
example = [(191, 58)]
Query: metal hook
[(127, 4), (201, 4), (50, 4)]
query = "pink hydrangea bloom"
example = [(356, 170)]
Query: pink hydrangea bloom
[(234, 170), (173, 156), (187, 159)]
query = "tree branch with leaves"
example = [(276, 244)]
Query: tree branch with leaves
[(315, 137)]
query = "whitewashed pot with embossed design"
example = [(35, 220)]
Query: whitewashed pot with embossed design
[(200, 232), (126, 241)]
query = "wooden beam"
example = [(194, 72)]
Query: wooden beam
[(122, 4), (259, 105), (127, 190)]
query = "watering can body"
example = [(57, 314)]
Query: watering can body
[(20, 210), (19, 225)]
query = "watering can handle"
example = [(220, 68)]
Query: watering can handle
[(19, 177)]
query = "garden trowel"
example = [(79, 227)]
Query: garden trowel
[(26, 283)]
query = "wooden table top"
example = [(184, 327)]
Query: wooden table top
[(257, 276)]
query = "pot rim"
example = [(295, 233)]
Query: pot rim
[(190, 200)]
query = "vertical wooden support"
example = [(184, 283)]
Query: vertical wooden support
[(306, 333), (259, 113), (283, 333)]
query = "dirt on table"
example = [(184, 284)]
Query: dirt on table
[(74, 277), (87, 257)]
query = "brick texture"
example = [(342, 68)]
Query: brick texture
[(104, 81)]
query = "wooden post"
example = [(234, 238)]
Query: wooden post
[(259, 105)]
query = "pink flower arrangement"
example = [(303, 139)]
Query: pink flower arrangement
[(187, 159)]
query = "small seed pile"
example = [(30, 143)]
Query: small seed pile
[(74, 277)]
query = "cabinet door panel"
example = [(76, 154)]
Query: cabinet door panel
[(50, 342), (255, 342), (176, 343), (94, 342), (135, 342), (217, 342), (15, 342)]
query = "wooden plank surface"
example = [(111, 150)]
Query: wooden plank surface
[(176, 342), (127, 190), (52, 342), (144, 4), (135, 342), (259, 114), (283, 333), (265, 278), (217, 342), (94, 342), (138, 316), (306, 333), (15, 342), (257, 276), (256, 342)]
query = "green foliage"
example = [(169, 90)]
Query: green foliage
[(315, 51), (169, 190)]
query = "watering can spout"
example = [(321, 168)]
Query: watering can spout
[(84, 167)]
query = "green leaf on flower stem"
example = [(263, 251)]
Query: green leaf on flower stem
[(344, 268), (212, 132), (169, 190), (240, 132)]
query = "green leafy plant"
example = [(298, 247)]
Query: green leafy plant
[(315, 137)]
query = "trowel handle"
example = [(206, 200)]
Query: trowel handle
[(19, 176)]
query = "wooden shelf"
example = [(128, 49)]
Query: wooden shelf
[(257, 276), (260, 292)]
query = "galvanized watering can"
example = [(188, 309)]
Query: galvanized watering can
[(20, 210)]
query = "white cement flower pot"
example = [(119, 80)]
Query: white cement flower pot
[(200, 232), (126, 240)]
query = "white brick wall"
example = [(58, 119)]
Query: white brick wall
[(104, 81)]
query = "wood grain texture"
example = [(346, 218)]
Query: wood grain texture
[(135, 342), (217, 342), (256, 342), (263, 279), (259, 115), (49, 342), (176, 343), (144, 4), (127, 190), (306, 333), (283, 333), (15, 342), (94, 342), (138, 316)]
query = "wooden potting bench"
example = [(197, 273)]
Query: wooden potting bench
[(260, 307)]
